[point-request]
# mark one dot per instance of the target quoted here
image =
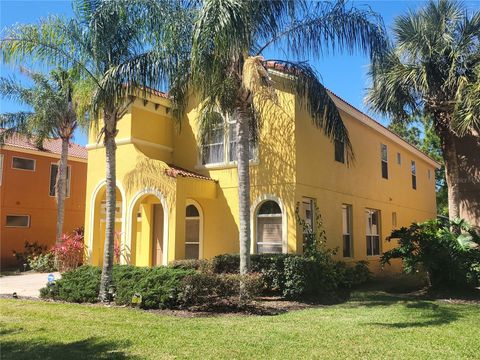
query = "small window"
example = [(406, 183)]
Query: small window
[(347, 230), (414, 175), (384, 154), (373, 232), (23, 163), (399, 158), (429, 174), (308, 212), (192, 232), (339, 151), (394, 219), (18, 221), (269, 228), (53, 179)]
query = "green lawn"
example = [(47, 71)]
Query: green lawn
[(372, 325)]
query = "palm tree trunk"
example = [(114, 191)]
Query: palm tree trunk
[(450, 157), (243, 186), (61, 189), (111, 187)]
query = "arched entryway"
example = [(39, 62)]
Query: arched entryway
[(96, 235), (270, 227), (149, 229), (193, 230)]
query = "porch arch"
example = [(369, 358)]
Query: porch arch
[(132, 223)]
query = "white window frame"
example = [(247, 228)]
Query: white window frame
[(384, 160), (200, 226), (310, 202), (13, 226), (69, 180), (349, 210), (413, 170), (369, 213), (226, 149), (25, 158), (253, 220)]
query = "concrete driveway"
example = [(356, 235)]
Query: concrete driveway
[(26, 284)]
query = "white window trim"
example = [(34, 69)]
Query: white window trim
[(384, 160), (69, 186), (378, 232), (22, 157), (253, 221), (13, 226), (413, 172), (200, 227)]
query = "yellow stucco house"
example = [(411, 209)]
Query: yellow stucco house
[(176, 200)]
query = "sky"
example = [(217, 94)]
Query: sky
[(345, 75)]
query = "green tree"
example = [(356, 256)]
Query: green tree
[(107, 41), (432, 70), (53, 115), (230, 75)]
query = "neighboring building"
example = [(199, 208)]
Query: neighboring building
[(176, 201), (28, 210)]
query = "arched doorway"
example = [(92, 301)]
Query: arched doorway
[(149, 230), (193, 230), (269, 228)]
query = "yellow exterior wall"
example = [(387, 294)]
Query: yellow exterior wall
[(294, 160)]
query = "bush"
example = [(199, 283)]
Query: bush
[(449, 259), (69, 253), (30, 251), (204, 288), (158, 286), (225, 264), (42, 262), (191, 264), (79, 285)]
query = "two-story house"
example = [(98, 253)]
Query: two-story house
[(28, 210), (177, 200)]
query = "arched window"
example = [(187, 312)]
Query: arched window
[(269, 228), (192, 232)]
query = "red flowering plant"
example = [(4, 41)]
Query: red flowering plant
[(69, 253), (117, 248)]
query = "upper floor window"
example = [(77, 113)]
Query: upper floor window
[(414, 175), (399, 158), (221, 145), (339, 151), (384, 154), (1, 168), (429, 174), (53, 179), (23, 163), (373, 231)]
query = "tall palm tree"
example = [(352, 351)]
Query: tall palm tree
[(229, 73), (432, 69), (107, 42), (53, 115)]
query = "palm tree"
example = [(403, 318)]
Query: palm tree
[(432, 69), (108, 44), (53, 116), (229, 73)]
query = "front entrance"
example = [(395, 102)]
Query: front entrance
[(157, 238)]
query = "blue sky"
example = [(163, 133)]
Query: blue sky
[(344, 74)]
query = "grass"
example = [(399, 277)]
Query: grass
[(371, 325)]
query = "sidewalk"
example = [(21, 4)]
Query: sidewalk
[(26, 284)]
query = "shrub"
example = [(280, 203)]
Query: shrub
[(207, 288), (69, 253), (449, 259), (79, 285), (225, 264), (191, 264), (42, 262), (30, 250)]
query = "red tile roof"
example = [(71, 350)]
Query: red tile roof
[(175, 171), (53, 146)]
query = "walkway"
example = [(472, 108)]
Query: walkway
[(26, 284)]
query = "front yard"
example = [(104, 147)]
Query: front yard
[(371, 325)]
